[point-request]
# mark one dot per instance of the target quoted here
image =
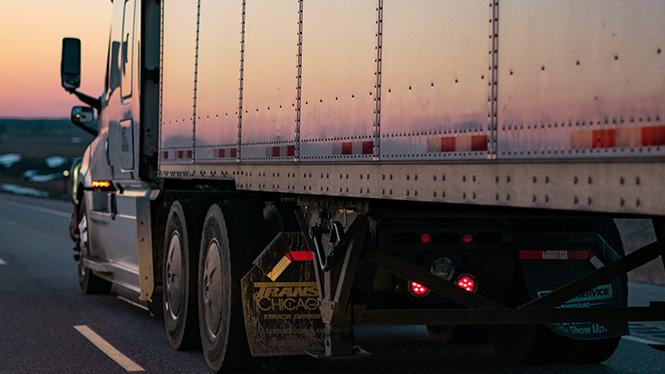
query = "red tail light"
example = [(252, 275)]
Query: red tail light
[(467, 283), (467, 239), (418, 290), (425, 238)]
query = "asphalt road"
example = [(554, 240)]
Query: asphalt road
[(40, 305)]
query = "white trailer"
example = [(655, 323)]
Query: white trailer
[(269, 173)]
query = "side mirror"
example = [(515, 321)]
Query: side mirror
[(70, 65), (82, 115)]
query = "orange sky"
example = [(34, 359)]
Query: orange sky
[(31, 33)]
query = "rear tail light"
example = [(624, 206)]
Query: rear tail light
[(467, 283), (418, 290), (467, 239), (425, 238)]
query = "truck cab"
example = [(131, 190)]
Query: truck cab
[(111, 187)]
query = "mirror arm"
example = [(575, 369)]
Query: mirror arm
[(87, 129), (91, 101)]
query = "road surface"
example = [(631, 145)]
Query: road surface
[(47, 326)]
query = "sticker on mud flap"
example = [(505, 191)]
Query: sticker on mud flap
[(279, 297), (601, 295), (281, 300)]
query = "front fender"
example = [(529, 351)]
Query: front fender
[(75, 182)]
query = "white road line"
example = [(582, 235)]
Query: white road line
[(642, 340), (108, 349), (35, 208), (2, 262), (131, 302)]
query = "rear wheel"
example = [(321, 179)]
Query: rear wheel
[(88, 281), (539, 344), (179, 305), (234, 233), (442, 334)]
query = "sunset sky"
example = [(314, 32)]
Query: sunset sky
[(31, 37)]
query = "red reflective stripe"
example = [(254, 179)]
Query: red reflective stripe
[(579, 255), (221, 153), (653, 136), (604, 138), (530, 255), (233, 152), (368, 147), (291, 150), (189, 154), (166, 155), (448, 144), (275, 151), (347, 148), (300, 255), (479, 142)]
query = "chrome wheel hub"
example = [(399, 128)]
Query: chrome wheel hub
[(174, 276), (211, 288)]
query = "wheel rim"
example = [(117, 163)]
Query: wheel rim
[(174, 276), (212, 279)]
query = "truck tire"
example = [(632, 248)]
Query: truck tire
[(539, 344), (442, 334), (156, 304), (179, 306), (89, 283), (234, 233)]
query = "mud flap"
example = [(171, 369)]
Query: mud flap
[(603, 295), (544, 275), (280, 300)]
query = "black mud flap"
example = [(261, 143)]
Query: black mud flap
[(280, 300), (558, 267)]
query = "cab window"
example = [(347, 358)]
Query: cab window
[(121, 50), (127, 42)]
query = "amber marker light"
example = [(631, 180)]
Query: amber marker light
[(101, 185)]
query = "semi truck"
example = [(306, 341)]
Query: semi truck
[(266, 175)]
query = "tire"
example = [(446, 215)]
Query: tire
[(179, 306), (280, 216), (89, 283), (234, 232), (442, 334), (156, 304), (539, 345)]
